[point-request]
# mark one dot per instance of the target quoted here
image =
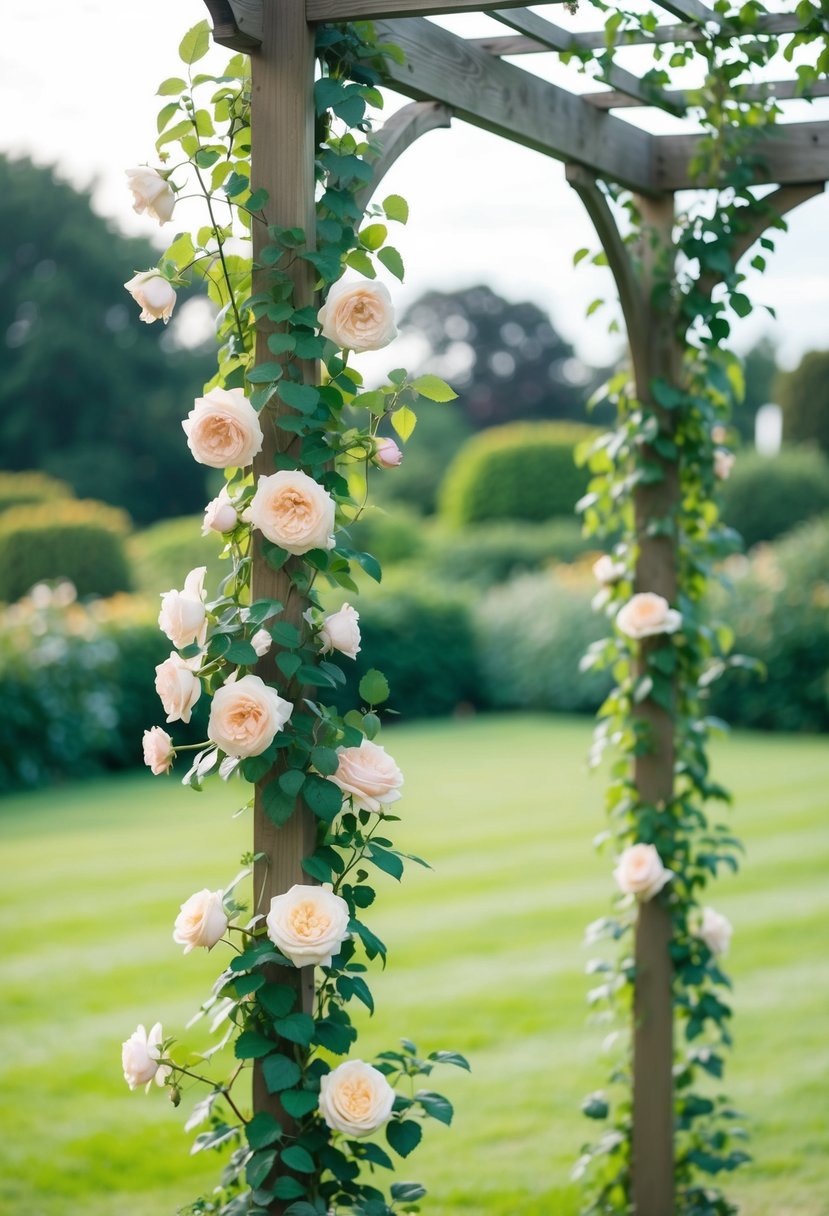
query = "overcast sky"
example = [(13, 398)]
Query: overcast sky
[(77, 84)]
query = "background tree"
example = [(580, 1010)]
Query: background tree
[(87, 392), (761, 371), (804, 397)]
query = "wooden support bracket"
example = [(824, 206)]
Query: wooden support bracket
[(398, 134), (237, 23)]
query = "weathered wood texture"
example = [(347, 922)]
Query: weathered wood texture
[(781, 90), (237, 23), (398, 134), (690, 10), (282, 123), (790, 153), (501, 98), (362, 10)]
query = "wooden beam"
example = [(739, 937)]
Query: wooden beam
[(690, 10), (523, 21), (781, 90), (790, 153), (368, 10), (525, 109), (398, 134), (236, 23)]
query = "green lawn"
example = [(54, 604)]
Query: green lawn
[(485, 957)]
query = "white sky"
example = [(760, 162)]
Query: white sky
[(77, 85)]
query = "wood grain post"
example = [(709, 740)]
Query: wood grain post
[(282, 155)]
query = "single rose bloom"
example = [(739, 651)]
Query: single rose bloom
[(158, 751), (151, 193), (183, 616), (368, 775), (387, 454), (246, 715), (358, 315), (223, 429), (220, 515), (201, 922), (647, 614), (341, 631), (178, 686), (715, 931), (261, 642), (140, 1055), (154, 294), (293, 511), (355, 1098), (607, 571), (723, 463), (308, 924), (640, 872)]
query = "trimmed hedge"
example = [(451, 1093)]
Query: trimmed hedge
[(83, 542), (22, 489), (162, 554), (766, 496), (488, 554), (521, 471)]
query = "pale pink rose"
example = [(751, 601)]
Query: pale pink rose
[(723, 463), (140, 1055), (151, 193), (640, 872), (308, 924), (355, 1098), (358, 315), (158, 751), (201, 922), (223, 429), (715, 930), (178, 686), (341, 631), (369, 775), (261, 642), (183, 616), (293, 511), (647, 614), (220, 515), (246, 715), (387, 454), (154, 294), (606, 570)]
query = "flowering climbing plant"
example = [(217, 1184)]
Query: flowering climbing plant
[(270, 667)]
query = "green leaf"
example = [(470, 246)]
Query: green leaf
[(334, 1036), (317, 867), (251, 1045), (323, 797), (171, 87), (241, 653), (195, 43), (296, 1027), (325, 760), (298, 1158), (257, 200), (298, 1103), (595, 1106), (292, 781), (373, 235), (165, 114), (404, 422), (302, 397), (284, 633), (263, 1130), (407, 1192), (450, 1057), (374, 687), (404, 1135), (277, 999), (278, 806), (280, 1073), (435, 1105), (388, 862), (392, 261), (258, 1168), (396, 208), (288, 663), (278, 344), (359, 260), (265, 373), (434, 388)]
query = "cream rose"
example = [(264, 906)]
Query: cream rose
[(647, 614), (640, 872), (387, 454), (723, 463), (178, 686), (183, 617), (606, 570), (308, 924), (358, 315), (158, 751), (151, 193), (355, 1098), (369, 775), (140, 1055), (293, 511), (154, 294), (223, 429), (246, 715), (201, 922), (715, 931), (341, 631), (220, 515), (261, 642)]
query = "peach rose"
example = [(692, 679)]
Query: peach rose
[(647, 614), (640, 872), (261, 642), (293, 511), (220, 515), (223, 429), (715, 931), (154, 294), (308, 924), (387, 454), (369, 776), (178, 686), (606, 570), (140, 1055), (158, 751), (151, 193), (182, 616), (355, 1098), (358, 315), (341, 631), (246, 715), (202, 921)]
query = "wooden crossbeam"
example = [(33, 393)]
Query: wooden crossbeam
[(501, 98), (523, 21), (782, 90), (791, 153), (368, 10), (690, 10)]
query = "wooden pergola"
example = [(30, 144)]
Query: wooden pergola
[(448, 76)]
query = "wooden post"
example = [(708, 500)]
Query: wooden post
[(656, 570), (282, 155)]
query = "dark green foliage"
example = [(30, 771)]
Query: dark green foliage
[(766, 496), (83, 542), (486, 554), (23, 489), (519, 471), (88, 392), (391, 536), (441, 430), (804, 397), (162, 554), (760, 371)]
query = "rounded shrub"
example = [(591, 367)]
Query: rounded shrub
[(84, 542), (392, 536), (766, 496), (524, 470), (488, 554), (25, 489)]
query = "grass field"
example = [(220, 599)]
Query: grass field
[(485, 958)]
